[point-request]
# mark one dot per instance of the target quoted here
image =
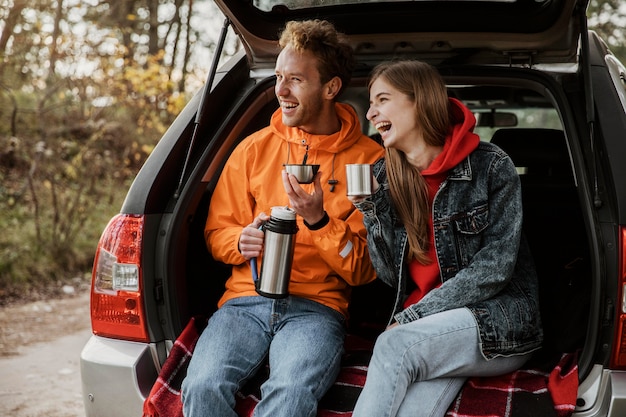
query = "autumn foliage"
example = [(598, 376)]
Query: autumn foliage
[(85, 95)]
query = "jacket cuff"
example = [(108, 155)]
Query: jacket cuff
[(376, 202), (407, 315), (323, 222)]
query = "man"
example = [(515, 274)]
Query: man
[(301, 335)]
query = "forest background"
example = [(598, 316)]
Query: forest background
[(87, 88)]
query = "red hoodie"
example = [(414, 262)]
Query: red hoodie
[(459, 144)]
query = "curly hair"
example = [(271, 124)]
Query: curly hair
[(333, 53)]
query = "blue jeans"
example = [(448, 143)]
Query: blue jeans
[(418, 368), (302, 339)]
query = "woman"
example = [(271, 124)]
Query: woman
[(445, 227)]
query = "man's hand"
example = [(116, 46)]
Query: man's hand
[(251, 238), (309, 206)]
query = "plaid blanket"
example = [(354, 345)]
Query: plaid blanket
[(547, 390), (164, 398)]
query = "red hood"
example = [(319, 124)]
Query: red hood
[(460, 142)]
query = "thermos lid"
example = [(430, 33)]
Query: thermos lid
[(283, 213)]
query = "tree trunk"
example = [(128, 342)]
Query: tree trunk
[(153, 30), (14, 15), (55, 36), (186, 49)]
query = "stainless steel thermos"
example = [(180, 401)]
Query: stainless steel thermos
[(279, 241)]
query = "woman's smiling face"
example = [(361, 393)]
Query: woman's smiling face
[(393, 114)]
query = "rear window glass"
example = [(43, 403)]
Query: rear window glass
[(526, 118)]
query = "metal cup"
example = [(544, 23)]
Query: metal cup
[(303, 172), (359, 180)]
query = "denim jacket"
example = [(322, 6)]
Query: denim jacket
[(484, 261)]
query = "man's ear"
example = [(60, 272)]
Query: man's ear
[(332, 88)]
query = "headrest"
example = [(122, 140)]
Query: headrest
[(535, 151)]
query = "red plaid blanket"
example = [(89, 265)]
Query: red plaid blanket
[(164, 398), (544, 391)]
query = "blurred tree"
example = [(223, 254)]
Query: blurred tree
[(608, 18), (165, 28), (11, 16), (87, 88), (86, 91)]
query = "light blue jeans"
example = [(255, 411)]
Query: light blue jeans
[(417, 369), (302, 339)]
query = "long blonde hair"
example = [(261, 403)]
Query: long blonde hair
[(427, 90)]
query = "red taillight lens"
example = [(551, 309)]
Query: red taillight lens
[(618, 359), (116, 303)]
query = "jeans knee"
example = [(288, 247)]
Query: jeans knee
[(208, 397), (287, 400), (386, 344)]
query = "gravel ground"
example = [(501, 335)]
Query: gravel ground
[(40, 344)]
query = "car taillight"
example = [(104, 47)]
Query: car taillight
[(116, 303), (618, 359)]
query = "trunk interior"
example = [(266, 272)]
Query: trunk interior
[(553, 217)]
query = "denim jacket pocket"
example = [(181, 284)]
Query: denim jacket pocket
[(472, 222), (468, 228)]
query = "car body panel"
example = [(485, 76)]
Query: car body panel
[(116, 376), (609, 103)]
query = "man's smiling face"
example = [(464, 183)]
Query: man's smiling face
[(299, 89)]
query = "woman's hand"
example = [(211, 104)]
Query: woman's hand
[(392, 325), (356, 199), (360, 199)]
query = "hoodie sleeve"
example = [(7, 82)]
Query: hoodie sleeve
[(342, 244), (231, 209)]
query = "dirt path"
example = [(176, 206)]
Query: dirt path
[(40, 344)]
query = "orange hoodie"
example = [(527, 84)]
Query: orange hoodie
[(326, 261)]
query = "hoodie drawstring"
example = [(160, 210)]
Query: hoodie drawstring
[(332, 181), (306, 155)]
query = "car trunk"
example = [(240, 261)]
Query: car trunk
[(557, 215), (515, 33), (554, 222)]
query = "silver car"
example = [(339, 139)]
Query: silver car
[(541, 85)]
